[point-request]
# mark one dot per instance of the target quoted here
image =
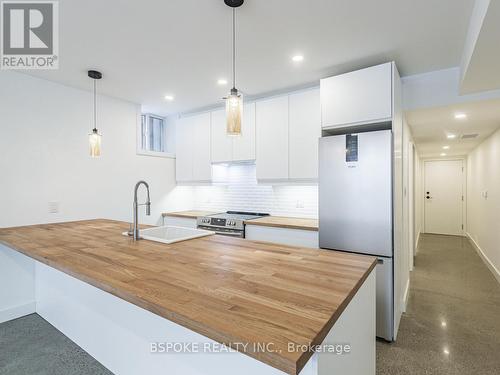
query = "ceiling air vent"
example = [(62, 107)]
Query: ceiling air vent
[(469, 136)]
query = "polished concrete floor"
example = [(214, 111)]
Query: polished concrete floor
[(31, 346), (452, 323)]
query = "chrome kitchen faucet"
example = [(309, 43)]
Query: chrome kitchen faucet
[(135, 229)]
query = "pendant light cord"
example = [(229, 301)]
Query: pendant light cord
[(95, 109), (234, 48)]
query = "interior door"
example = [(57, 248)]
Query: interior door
[(443, 197)]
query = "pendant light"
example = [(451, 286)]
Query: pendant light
[(95, 137), (234, 102)]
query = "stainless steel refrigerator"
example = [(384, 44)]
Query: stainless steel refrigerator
[(355, 207)]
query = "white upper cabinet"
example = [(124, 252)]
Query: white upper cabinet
[(202, 166), (244, 145), (226, 148), (193, 149), (222, 144), (304, 133), (272, 138), (184, 150), (357, 98), (280, 134)]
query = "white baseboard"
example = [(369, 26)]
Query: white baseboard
[(417, 241), (485, 259), (405, 296), (17, 311)]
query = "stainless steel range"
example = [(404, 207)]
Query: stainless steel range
[(230, 223)]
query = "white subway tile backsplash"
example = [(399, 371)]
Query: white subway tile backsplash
[(235, 187)]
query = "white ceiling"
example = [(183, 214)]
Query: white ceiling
[(148, 49), (431, 126)]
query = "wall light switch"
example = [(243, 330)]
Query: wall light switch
[(299, 204), (53, 207)]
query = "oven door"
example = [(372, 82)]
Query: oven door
[(224, 231)]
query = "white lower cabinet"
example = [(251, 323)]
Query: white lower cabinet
[(284, 236)]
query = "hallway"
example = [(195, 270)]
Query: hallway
[(452, 323)]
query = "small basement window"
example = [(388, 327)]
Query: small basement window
[(152, 136)]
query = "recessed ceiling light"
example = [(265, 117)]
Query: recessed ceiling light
[(443, 324), (298, 58), (460, 116), (443, 154), (169, 97), (222, 82), (446, 351), (451, 136), (446, 147)]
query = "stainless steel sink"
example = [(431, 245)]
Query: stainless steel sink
[(170, 234)]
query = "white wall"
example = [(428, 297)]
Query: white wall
[(44, 156), (483, 213), (418, 199)]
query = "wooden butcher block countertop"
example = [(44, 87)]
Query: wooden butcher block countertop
[(192, 214), (285, 222), (228, 289), (266, 221)]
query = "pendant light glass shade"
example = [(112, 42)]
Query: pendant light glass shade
[(95, 144), (234, 102), (234, 113), (95, 137)]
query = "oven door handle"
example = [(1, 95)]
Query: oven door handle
[(231, 234), (222, 232)]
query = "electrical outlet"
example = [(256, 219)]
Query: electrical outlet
[(53, 207)]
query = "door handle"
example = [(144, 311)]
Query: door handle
[(428, 197)]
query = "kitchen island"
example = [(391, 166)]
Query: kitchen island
[(126, 303)]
